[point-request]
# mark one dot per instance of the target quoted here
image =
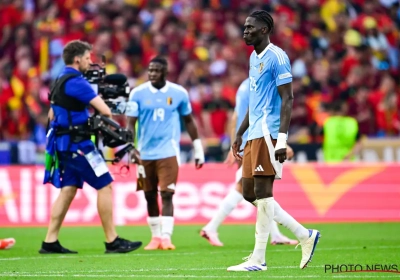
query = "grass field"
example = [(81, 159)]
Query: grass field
[(195, 259)]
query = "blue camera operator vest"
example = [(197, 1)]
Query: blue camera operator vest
[(71, 115)]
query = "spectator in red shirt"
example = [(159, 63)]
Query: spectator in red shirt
[(386, 87), (15, 124), (216, 113), (362, 111), (387, 117)]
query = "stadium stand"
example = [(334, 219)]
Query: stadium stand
[(339, 49)]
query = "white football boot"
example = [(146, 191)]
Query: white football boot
[(248, 265), (308, 247)]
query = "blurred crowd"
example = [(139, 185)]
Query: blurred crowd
[(339, 49)]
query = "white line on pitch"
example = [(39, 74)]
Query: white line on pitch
[(149, 270), (330, 249), (238, 275), (194, 253), (96, 256)]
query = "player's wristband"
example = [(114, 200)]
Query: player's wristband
[(198, 150), (282, 136), (197, 144), (281, 141)]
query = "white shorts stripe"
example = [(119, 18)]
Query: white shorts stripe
[(276, 164), (239, 174)]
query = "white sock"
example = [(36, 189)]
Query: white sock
[(155, 226), (227, 205), (265, 217), (275, 233), (167, 226), (282, 217)]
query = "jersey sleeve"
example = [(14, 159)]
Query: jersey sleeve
[(132, 109), (80, 89), (185, 108), (282, 69)]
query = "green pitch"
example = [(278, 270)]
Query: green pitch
[(194, 258)]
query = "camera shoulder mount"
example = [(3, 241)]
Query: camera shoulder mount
[(113, 135)]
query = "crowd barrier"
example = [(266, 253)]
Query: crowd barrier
[(310, 192)]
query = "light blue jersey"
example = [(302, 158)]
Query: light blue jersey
[(268, 70), (242, 105), (158, 114)]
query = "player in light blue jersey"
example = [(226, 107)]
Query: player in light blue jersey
[(267, 120), (242, 105), (157, 106), (235, 196)]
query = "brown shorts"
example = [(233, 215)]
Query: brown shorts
[(256, 159), (160, 172)]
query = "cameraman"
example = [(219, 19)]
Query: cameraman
[(78, 159)]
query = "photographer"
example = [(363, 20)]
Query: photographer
[(77, 160)]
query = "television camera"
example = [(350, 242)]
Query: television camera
[(114, 90)]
